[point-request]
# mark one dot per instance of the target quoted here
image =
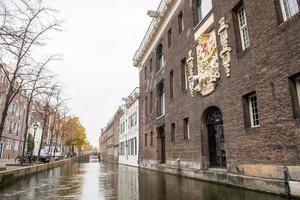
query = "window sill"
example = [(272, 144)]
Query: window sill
[(202, 21), (157, 118), (159, 71), (290, 21)]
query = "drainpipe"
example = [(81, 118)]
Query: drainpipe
[(286, 182)]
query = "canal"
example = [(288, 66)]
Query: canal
[(101, 181)]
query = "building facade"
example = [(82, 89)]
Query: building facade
[(220, 92), (129, 130), (109, 139), (11, 143)]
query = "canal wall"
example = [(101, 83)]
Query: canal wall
[(10, 176), (264, 178)]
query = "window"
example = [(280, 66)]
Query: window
[(169, 37), (9, 144), (135, 146), (180, 22), (289, 8), (160, 57), (253, 110), (146, 138), (203, 8), (294, 82), (186, 129), (161, 99), (145, 72), (10, 127), (244, 34), (151, 138), (16, 146), (150, 65), (132, 120), (129, 147), (132, 146), (122, 127), (151, 101), (18, 129), (184, 78), (173, 132), (171, 78), (298, 89)]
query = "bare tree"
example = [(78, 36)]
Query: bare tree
[(23, 28), (40, 80)]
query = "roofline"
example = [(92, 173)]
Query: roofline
[(156, 23)]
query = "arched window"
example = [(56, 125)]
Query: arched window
[(160, 57), (203, 8)]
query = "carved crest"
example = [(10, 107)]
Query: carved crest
[(225, 52), (207, 65)]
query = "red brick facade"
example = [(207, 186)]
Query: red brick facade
[(268, 68)]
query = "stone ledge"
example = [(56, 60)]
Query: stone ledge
[(268, 185), (12, 175)]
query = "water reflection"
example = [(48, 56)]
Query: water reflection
[(107, 181)]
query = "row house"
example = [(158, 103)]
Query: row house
[(109, 139), (11, 144), (220, 92), (129, 130)]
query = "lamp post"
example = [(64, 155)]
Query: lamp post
[(35, 126)]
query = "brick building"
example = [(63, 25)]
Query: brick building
[(109, 139), (11, 144), (220, 91)]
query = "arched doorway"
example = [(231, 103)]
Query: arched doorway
[(214, 122)]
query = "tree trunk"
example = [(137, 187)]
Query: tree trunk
[(26, 126)]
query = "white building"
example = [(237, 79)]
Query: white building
[(129, 130)]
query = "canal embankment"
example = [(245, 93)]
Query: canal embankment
[(13, 175), (262, 178)]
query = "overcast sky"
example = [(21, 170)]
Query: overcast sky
[(98, 43)]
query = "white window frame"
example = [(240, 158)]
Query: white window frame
[(162, 104), (297, 80), (244, 27), (291, 5), (251, 112)]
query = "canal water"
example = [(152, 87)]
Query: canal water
[(101, 181)]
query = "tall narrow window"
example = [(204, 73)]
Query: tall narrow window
[(135, 146), (203, 8), (171, 85), (184, 78), (180, 22), (253, 110), (161, 99), (186, 129), (150, 65), (173, 132), (169, 37), (244, 33), (146, 139), (160, 57), (151, 101), (145, 72), (298, 89), (151, 138), (289, 8)]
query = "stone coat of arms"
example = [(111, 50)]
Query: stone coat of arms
[(207, 65)]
